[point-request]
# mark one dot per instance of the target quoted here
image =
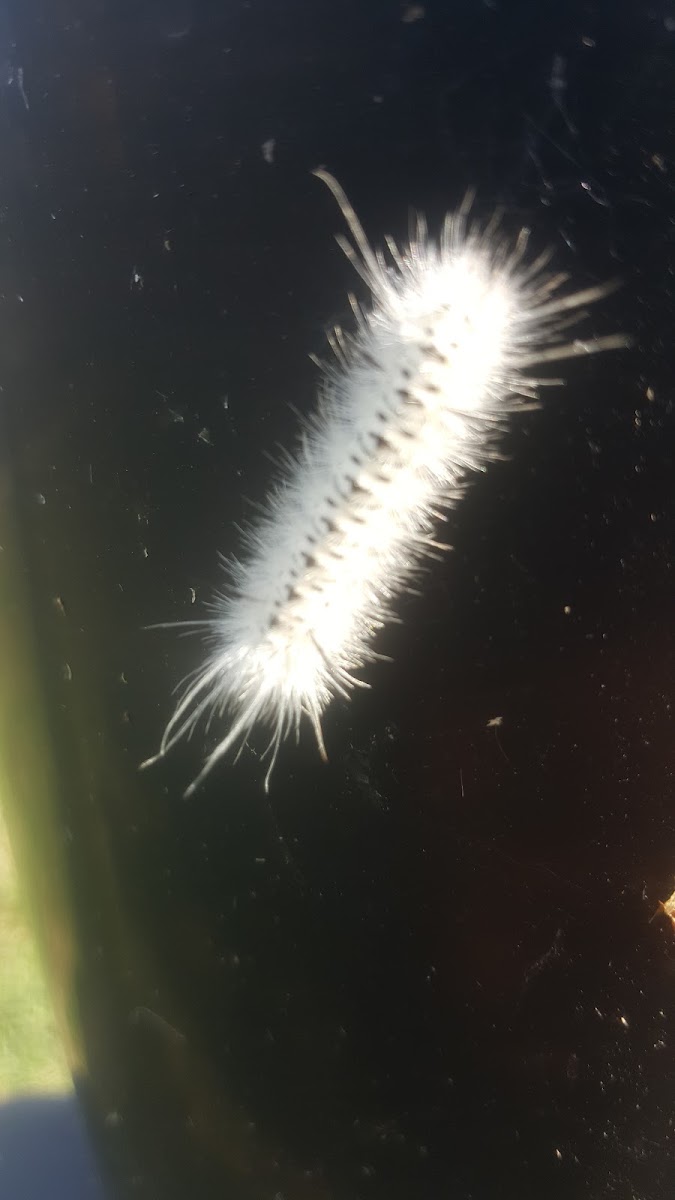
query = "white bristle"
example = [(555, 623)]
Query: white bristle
[(414, 401)]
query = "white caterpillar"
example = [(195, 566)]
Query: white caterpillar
[(412, 402)]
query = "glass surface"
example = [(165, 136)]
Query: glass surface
[(435, 966)]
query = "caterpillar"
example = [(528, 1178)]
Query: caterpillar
[(413, 401)]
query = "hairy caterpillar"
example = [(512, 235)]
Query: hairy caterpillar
[(412, 402)]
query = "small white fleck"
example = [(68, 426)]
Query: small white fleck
[(267, 150)]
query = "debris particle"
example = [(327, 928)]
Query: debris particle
[(267, 150), (16, 76)]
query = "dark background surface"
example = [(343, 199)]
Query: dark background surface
[(427, 970)]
